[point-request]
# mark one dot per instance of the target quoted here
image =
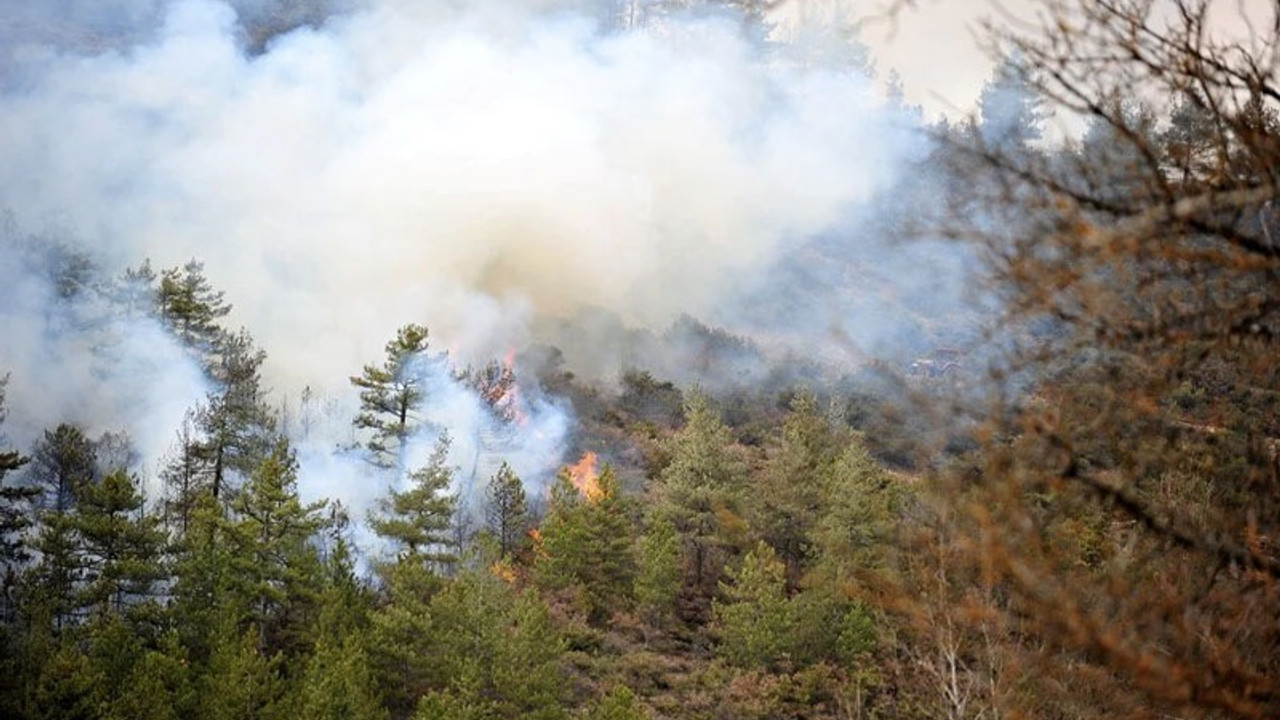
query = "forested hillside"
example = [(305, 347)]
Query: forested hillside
[(899, 418)]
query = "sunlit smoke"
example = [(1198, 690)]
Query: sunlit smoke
[(476, 169)]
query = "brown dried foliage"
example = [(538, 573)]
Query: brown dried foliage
[(1124, 507)]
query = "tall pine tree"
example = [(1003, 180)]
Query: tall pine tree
[(507, 511), (391, 395), (277, 568), (121, 545), (418, 520), (587, 544), (700, 489), (191, 308)]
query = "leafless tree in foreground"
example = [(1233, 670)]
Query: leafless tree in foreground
[(1125, 503)]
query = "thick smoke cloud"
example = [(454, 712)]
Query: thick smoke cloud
[(475, 169), (465, 169), (74, 353)]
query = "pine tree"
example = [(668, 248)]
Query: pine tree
[(587, 544), (419, 519), (137, 679), (276, 565), (52, 583), (507, 511), (1192, 143), (66, 687), (158, 687), (657, 580), (63, 461), (64, 464), (860, 504), (493, 652), (392, 395), (619, 704), (120, 544), (16, 517), (1107, 158), (338, 682), (789, 497), (136, 291), (402, 647), (1010, 108), (755, 618), (236, 428), (339, 679), (699, 487), (240, 681), (191, 308), (206, 586), (181, 475)]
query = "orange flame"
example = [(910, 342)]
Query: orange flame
[(584, 477), (514, 401), (535, 538), (504, 571)]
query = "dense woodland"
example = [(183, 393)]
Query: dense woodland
[(1075, 515)]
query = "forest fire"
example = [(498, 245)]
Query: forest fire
[(536, 544), (585, 477), (514, 403)]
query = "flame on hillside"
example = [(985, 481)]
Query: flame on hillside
[(535, 540), (585, 478), (514, 402), (496, 385), (505, 571)]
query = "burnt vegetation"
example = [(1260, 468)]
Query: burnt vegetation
[(1059, 501)]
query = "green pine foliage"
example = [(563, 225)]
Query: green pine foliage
[(756, 619), (63, 461), (275, 567), (203, 590), (191, 308), (657, 581), (700, 489), (862, 506), (789, 499), (16, 518), (138, 680), (66, 687), (619, 704), (507, 512), (121, 546), (391, 395), (587, 545), (403, 644), (338, 682), (235, 429), (494, 653), (340, 679), (241, 682), (418, 520)]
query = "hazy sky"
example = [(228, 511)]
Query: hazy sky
[(934, 44), (930, 43)]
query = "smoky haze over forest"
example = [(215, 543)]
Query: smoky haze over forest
[(519, 173), (638, 359)]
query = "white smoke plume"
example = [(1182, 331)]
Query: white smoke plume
[(470, 168), (74, 354)]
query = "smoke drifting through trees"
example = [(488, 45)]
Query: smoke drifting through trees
[(485, 172)]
